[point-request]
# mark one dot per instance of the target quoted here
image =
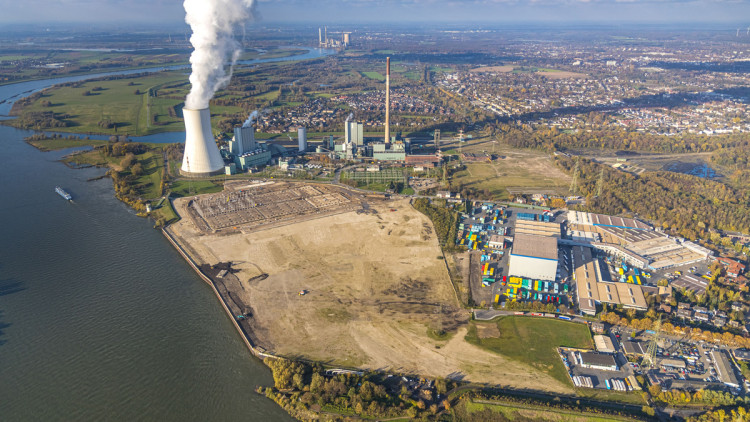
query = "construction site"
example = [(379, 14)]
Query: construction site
[(361, 283), (249, 206)]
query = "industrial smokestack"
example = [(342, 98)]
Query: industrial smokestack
[(387, 100), (202, 157)]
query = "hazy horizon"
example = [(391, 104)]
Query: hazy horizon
[(170, 13)]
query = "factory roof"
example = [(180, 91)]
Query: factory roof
[(631, 296), (587, 277), (591, 288), (673, 362), (597, 359), (692, 282), (633, 347), (725, 369), (539, 228), (543, 247), (604, 344), (629, 235), (577, 217)]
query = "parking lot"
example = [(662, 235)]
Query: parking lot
[(487, 233), (599, 378)]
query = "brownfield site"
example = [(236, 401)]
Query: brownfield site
[(360, 285)]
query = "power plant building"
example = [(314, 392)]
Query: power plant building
[(256, 158), (302, 139), (354, 133), (243, 140), (202, 157), (396, 152), (534, 257)]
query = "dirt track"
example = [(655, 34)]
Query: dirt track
[(374, 284)]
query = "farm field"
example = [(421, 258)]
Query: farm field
[(125, 103)]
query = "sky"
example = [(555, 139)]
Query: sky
[(344, 11)]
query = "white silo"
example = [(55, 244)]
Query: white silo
[(302, 139), (202, 157)]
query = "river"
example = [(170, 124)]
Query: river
[(100, 318)]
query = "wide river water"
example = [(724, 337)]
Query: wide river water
[(100, 318)]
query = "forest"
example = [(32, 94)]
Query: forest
[(305, 390), (682, 204)]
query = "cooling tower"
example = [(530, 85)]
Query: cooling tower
[(202, 157)]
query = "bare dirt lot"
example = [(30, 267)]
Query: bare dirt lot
[(373, 287), (493, 69)]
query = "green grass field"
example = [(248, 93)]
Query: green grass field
[(116, 102), (182, 188), (495, 177), (533, 341), (513, 412), (373, 75)]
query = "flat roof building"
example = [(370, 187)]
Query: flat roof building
[(725, 369), (539, 228), (604, 344), (591, 289), (597, 361), (534, 257), (634, 348), (691, 282)]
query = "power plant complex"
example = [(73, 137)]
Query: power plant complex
[(203, 158)]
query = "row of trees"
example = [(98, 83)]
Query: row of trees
[(709, 397), (695, 334), (303, 390), (739, 413), (444, 220)]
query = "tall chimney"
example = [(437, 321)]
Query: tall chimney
[(202, 157), (320, 37), (388, 100)]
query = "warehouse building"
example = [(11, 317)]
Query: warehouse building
[(589, 219), (634, 348), (604, 344), (597, 361), (592, 290), (691, 282), (534, 257), (725, 369), (538, 228)]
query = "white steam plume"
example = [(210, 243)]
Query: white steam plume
[(349, 117), (213, 23), (250, 119)]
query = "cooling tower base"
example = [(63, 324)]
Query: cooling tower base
[(194, 175)]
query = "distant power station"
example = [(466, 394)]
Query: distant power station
[(325, 42), (202, 157)]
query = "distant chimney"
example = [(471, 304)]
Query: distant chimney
[(387, 100)]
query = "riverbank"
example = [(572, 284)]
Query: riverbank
[(231, 313)]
